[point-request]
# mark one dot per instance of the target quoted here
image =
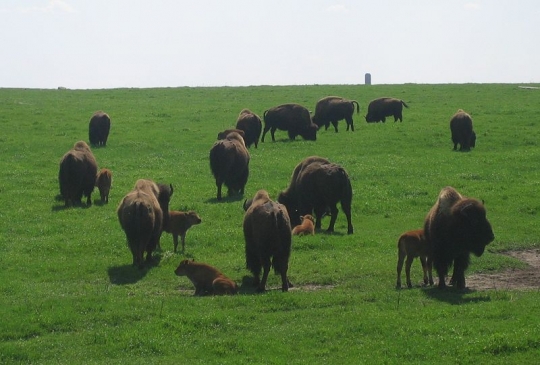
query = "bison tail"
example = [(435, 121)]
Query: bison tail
[(357, 106), (264, 115), (283, 230), (405, 105)]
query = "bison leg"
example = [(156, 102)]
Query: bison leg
[(441, 266), (334, 123), (333, 217), (401, 259), (175, 241), (346, 207), (460, 265), (262, 285), (219, 184), (408, 265), (424, 269), (429, 263), (272, 132), (285, 283), (350, 124), (183, 237), (264, 134)]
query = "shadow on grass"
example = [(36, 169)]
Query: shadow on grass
[(226, 199), (247, 287), (129, 274), (454, 296)]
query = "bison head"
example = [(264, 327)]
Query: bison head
[(292, 207), (181, 270), (471, 225), (310, 133)]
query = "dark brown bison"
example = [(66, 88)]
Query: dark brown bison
[(142, 214), (463, 134), (98, 129), (226, 132), (332, 109), (293, 118), (316, 186), (381, 108), (413, 244), (103, 183), (229, 163), (206, 279), (179, 223), (251, 124), (454, 227), (267, 231), (77, 175)]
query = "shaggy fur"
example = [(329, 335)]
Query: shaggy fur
[(77, 174), (229, 163), (410, 245), (206, 279), (332, 109), (226, 132), (293, 118), (103, 183), (179, 223), (454, 227), (98, 129), (381, 108), (316, 186), (251, 124), (307, 226), (142, 213), (267, 232), (461, 127)]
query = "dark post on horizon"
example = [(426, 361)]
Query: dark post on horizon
[(368, 79)]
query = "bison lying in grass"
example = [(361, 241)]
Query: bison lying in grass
[(206, 279), (454, 227), (179, 223), (413, 244), (77, 174), (306, 227)]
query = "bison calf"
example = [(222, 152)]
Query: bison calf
[(179, 223), (413, 244), (206, 279), (103, 183), (307, 226)]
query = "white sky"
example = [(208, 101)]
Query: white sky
[(168, 43)]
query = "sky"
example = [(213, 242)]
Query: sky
[(96, 44)]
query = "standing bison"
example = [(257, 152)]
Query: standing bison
[(381, 108), (143, 213), (77, 175), (316, 186), (267, 232), (98, 129), (463, 134), (293, 118), (251, 124), (332, 109), (229, 163), (103, 183), (454, 227)]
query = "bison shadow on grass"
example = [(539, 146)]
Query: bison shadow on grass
[(129, 274)]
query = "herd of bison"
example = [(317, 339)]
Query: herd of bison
[(454, 227)]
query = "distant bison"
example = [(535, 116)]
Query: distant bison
[(77, 175), (229, 163), (316, 186), (463, 134), (293, 118), (381, 108), (251, 124), (142, 213), (103, 183), (206, 279), (413, 244), (456, 226), (267, 232), (98, 129), (179, 223), (331, 109)]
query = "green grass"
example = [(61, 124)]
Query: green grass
[(68, 293)]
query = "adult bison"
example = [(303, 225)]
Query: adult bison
[(454, 227), (461, 127), (98, 129), (331, 109), (293, 118), (316, 186), (229, 163), (267, 232), (142, 214), (381, 108), (77, 175), (251, 124)]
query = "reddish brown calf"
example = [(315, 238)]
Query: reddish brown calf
[(413, 244), (206, 279), (179, 223), (307, 226)]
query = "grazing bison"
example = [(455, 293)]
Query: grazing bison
[(251, 124), (142, 214), (381, 108), (413, 244), (316, 186), (206, 279), (226, 132), (454, 227), (98, 129), (229, 163), (179, 223), (103, 183), (77, 175), (463, 134), (293, 118), (307, 226), (267, 231), (332, 109)]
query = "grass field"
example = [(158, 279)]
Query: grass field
[(68, 292)]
